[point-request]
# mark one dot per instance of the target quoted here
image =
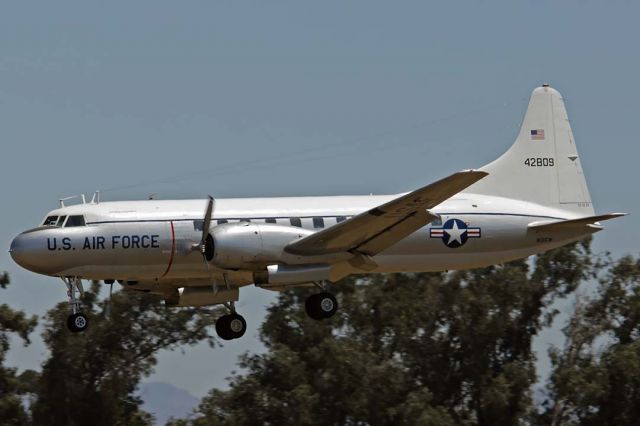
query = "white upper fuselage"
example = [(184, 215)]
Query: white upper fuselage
[(153, 240)]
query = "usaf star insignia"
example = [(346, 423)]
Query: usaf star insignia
[(454, 233)]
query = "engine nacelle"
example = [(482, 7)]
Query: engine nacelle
[(252, 246), (288, 275)]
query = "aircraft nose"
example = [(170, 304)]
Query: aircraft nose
[(23, 254), (17, 251)]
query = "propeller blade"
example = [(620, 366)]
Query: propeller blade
[(207, 222), (206, 242)]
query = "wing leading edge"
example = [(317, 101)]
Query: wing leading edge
[(372, 231)]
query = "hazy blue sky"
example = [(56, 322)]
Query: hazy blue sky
[(294, 98)]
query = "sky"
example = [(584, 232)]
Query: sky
[(286, 98)]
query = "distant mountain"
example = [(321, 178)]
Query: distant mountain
[(164, 401)]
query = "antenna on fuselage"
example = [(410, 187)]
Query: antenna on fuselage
[(62, 200), (96, 197)]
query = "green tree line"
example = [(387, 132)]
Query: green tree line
[(431, 349)]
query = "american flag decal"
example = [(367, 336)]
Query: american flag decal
[(537, 135)]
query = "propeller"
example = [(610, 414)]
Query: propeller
[(206, 242)]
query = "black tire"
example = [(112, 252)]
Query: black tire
[(222, 328), (311, 306), (321, 306), (231, 326), (77, 322)]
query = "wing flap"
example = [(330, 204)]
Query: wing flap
[(573, 223), (376, 229)]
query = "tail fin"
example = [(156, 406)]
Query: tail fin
[(543, 165)]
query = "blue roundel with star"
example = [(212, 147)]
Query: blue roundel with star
[(454, 233)]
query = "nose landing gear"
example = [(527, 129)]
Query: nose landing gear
[(77, 321)]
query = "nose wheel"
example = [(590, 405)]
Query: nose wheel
[(321, 306), (77, 321)]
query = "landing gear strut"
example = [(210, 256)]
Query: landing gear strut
[(321, 305), (77, 321), (231, 326)]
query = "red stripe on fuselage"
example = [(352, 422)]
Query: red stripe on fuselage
[(173, 250)]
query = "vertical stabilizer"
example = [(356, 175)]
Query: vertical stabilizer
[(543, 165)]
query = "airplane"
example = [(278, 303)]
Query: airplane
[(531, 199)]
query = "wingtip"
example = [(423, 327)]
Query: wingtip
[(476, 172)]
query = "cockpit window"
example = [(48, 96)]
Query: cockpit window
[(75, 221), (50, 221), (61, 221)]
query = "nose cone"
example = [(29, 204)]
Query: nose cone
[(18, 252), (24, 253)]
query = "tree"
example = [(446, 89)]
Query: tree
[(432, 348), (11, 391), (596, 375), (91, 377)]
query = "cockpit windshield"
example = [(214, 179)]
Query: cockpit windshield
[(75, 221), (59, 221), (50, 221)]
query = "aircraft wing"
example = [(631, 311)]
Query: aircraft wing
[(374, 230), (559, 225)]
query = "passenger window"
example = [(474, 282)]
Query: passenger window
[(198, 225), (61, 221), (340, 219), (318, 222), (295, 221), (437, 221), (221, 221), (270, 220), (75, 221), (51, 221), (245, 220)]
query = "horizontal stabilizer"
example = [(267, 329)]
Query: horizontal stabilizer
[(372, 231), (573, 223)]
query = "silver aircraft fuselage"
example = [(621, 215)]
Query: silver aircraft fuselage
[(153, 241)]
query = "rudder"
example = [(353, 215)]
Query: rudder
[(543, 165)]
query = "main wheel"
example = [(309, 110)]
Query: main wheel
[(237, 325), (231, 326), (320, 306), (222, 328), (77, 322)]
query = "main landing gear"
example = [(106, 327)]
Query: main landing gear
[(231, 326), (321, 305), (77, 321)]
